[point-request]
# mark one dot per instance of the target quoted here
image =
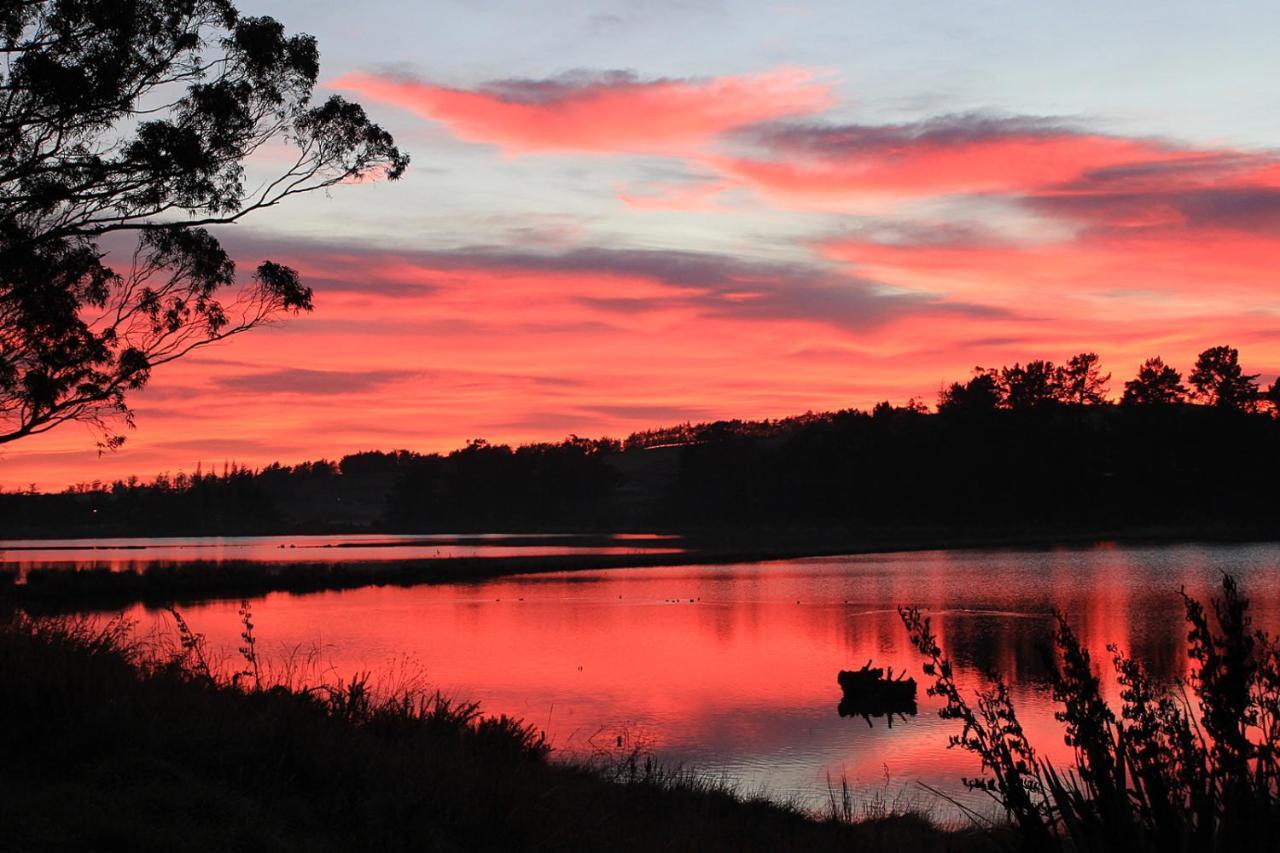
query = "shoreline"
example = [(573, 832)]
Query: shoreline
[(170, 583), (114, 750)]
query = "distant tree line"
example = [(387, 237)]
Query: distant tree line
[(691, 433), (1034, 445), (479, 487), (1216, 380)]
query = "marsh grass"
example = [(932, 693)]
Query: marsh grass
[(1188, 768), (114, 743), (887, 803)]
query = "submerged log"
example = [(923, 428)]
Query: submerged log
[(870, 692)]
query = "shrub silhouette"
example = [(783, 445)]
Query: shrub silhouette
[(1170, 770)]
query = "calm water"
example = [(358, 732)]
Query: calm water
[(732, 669), (129, 553)]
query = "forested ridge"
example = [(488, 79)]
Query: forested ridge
[(1007, 449)]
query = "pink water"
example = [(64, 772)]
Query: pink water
[(731, 670), (136, 553)]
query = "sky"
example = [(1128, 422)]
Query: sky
[(630, 214)]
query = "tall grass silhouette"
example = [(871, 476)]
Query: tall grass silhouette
[(114, 742), (1184, 767)]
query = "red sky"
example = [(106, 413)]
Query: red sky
[(600, 252)]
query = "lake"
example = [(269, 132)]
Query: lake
[(136, 553), (731, 670)]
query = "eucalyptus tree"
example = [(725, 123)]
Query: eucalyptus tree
[(126, 128)]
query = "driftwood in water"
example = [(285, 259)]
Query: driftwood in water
[(870, 692)]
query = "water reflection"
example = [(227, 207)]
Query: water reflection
[(872, 692), (729, 669), (137, 553)]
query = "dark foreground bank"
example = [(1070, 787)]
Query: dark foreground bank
[(107, 748)]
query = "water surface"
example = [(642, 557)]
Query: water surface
[(731, 669), (137, 553)]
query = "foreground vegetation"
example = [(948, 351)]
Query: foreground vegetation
[(115, 745), (1171, 770), (111, 746)]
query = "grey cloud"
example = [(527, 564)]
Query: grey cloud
[(716, 284), (834, 140), (300, 380), (559, 88), (728, 286), (556, 89), (931, 235), (605, 24), (344, 277), (1197, 166), (1248, 209)]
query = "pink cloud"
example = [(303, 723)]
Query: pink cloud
[(599, 113), (426, 350), (1156, 248), (1104, 261), (948, 155)]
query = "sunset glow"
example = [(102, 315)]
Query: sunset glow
[(596, 246)]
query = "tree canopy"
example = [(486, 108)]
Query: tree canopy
[(136, 118), (1219, 381), (1035, 386), (982, 393), (979, 462), (1082, 382), (1157, 384)]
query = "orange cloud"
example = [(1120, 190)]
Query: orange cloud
[(612, 112)]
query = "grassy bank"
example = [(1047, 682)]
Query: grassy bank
[(158, 584), (108, 747)]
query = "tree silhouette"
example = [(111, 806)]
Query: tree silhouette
[(1219, 381), (1081, 380), (1032, 387), (1273, 396), (1157, 384), (980, 394), (979, 465), (137, 117)]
